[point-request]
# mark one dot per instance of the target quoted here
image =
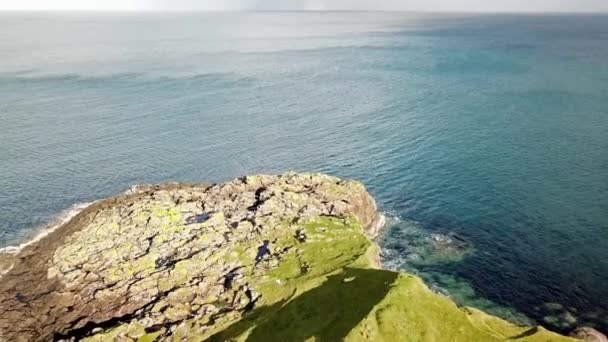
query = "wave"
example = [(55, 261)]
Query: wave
[(390, 218), (142, 76), (193, 73), (61, 219)]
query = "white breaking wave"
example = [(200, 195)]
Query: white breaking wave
[(390, 218), (61, 219)]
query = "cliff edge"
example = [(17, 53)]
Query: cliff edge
[(260, 258)]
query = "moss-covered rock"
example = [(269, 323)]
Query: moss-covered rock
[(268, 258)]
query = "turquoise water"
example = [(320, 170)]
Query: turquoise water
[(491, 128)]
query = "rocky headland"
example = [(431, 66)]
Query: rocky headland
[(261, 258)]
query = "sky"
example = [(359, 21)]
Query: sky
[(386, 5)]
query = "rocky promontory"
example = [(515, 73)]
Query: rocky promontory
[(260, 258)]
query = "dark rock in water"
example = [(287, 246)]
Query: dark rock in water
[(589, 334)]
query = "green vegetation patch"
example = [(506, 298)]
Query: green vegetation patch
[(327, 312), (339, 297), (374, 305)]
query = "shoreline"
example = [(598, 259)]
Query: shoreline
[(8, 253), (65, 215), (42, 231), (72, 215)]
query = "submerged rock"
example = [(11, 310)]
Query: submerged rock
[(407, 244), (449, 243), (183, 262)]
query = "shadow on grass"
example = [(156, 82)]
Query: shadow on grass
[(524, 334), (328, 312)]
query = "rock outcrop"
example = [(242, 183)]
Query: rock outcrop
[(279, 258), (589, 334)]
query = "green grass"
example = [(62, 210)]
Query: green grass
[(327, 312), (373, 305), (342, 298)]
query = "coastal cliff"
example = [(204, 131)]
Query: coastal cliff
[(260, 258)]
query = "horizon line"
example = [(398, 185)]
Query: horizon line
[(294, 11)]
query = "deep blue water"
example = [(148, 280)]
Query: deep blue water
[(494, 128)]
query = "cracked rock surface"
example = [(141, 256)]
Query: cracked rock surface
[(176, 260)]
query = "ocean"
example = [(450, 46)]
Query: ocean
[(491, 130)]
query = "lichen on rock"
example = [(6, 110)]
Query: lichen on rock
[(280, 258)]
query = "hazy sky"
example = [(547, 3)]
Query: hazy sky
[(415, 5)]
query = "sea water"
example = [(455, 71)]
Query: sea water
[(492, 129)]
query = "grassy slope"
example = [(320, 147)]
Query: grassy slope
[(343, 297)]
